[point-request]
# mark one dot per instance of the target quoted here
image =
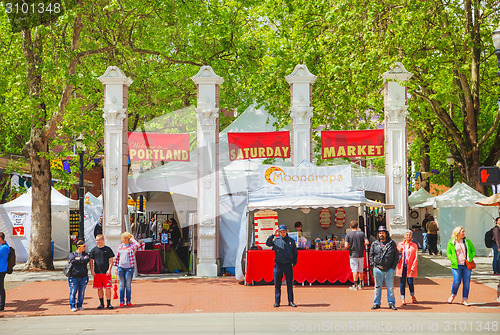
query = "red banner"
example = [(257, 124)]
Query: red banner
[(158, 147), (352, 143), (259, 145)]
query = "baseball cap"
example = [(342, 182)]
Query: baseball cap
[(80, 243), (382, 228), (282, 227)]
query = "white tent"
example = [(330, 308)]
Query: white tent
[(457, 207), (20, 210), (92, 214), (419, 197)]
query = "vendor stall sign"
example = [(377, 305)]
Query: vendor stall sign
[(325, 218), (18, 219), (259, 145), (352, 143), (266, 222), (302, 179), (340, 217), (158, 147)]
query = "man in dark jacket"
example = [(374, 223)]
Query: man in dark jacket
[(384, 258), (78, 276), (285, 258)]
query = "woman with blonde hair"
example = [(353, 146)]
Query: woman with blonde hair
[(459, 250), (125, 264)]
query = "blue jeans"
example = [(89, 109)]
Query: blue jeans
[(381, 276), (125, 275), (77, 286), (279, 270), (462, 274), (496, 258), (424, 242), (402, 283)]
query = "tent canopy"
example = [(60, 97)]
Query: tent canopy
[(419, 197), (460, 195), (493, 200)]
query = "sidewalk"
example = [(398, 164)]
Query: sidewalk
[(161, 294)]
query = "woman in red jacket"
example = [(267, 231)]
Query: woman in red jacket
[(407, 266)]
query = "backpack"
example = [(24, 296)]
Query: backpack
[(488, 238), (11, 261)]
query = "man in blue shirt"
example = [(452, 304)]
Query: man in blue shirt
[(285, 258), (4, 262)]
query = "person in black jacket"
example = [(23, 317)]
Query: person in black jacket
[(384, 258), (285, 258), (78, 278)]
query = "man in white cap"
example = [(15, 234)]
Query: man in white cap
[(285, 258)]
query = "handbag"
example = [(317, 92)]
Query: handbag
[(67, 269), (470, 265)]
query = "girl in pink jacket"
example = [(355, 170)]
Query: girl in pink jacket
[(407, 266)]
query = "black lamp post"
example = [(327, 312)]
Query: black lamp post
[(450, 161), (81, 225)]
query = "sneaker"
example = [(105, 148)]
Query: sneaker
[(360, 286), (375, 306), (393, 307), (465, 303), (414, 300), (122, 304), (130, 304), (73, 309), (403, 302), (110, 307), (100, 307), (450, 299), (353, 287), (80, 308)]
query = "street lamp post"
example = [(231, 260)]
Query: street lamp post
[(81, 227), (450, 161)]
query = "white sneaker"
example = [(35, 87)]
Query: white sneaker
[(73, 309), (353, 287), (360, 286), (80, 308)]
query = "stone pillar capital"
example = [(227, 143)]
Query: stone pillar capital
[(301, 112)]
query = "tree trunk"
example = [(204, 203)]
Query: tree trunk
[(40, 255)]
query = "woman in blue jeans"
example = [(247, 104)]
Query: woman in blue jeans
[(458, 250), (78, 278), (125, 263)]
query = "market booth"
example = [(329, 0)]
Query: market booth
[(324, 210)]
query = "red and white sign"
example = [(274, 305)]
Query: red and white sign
[(325, 218), (259, 145), (158, 147), (340, 217), (352, 143), (266, 222), (17, 219)]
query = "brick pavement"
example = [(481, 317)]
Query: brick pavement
[(220, 295)]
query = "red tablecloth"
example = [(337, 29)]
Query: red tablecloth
[(148, 261), (312, 265)]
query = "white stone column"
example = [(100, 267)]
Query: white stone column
[(301, 81), (396, 110), (207, 113), (115, 116)]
